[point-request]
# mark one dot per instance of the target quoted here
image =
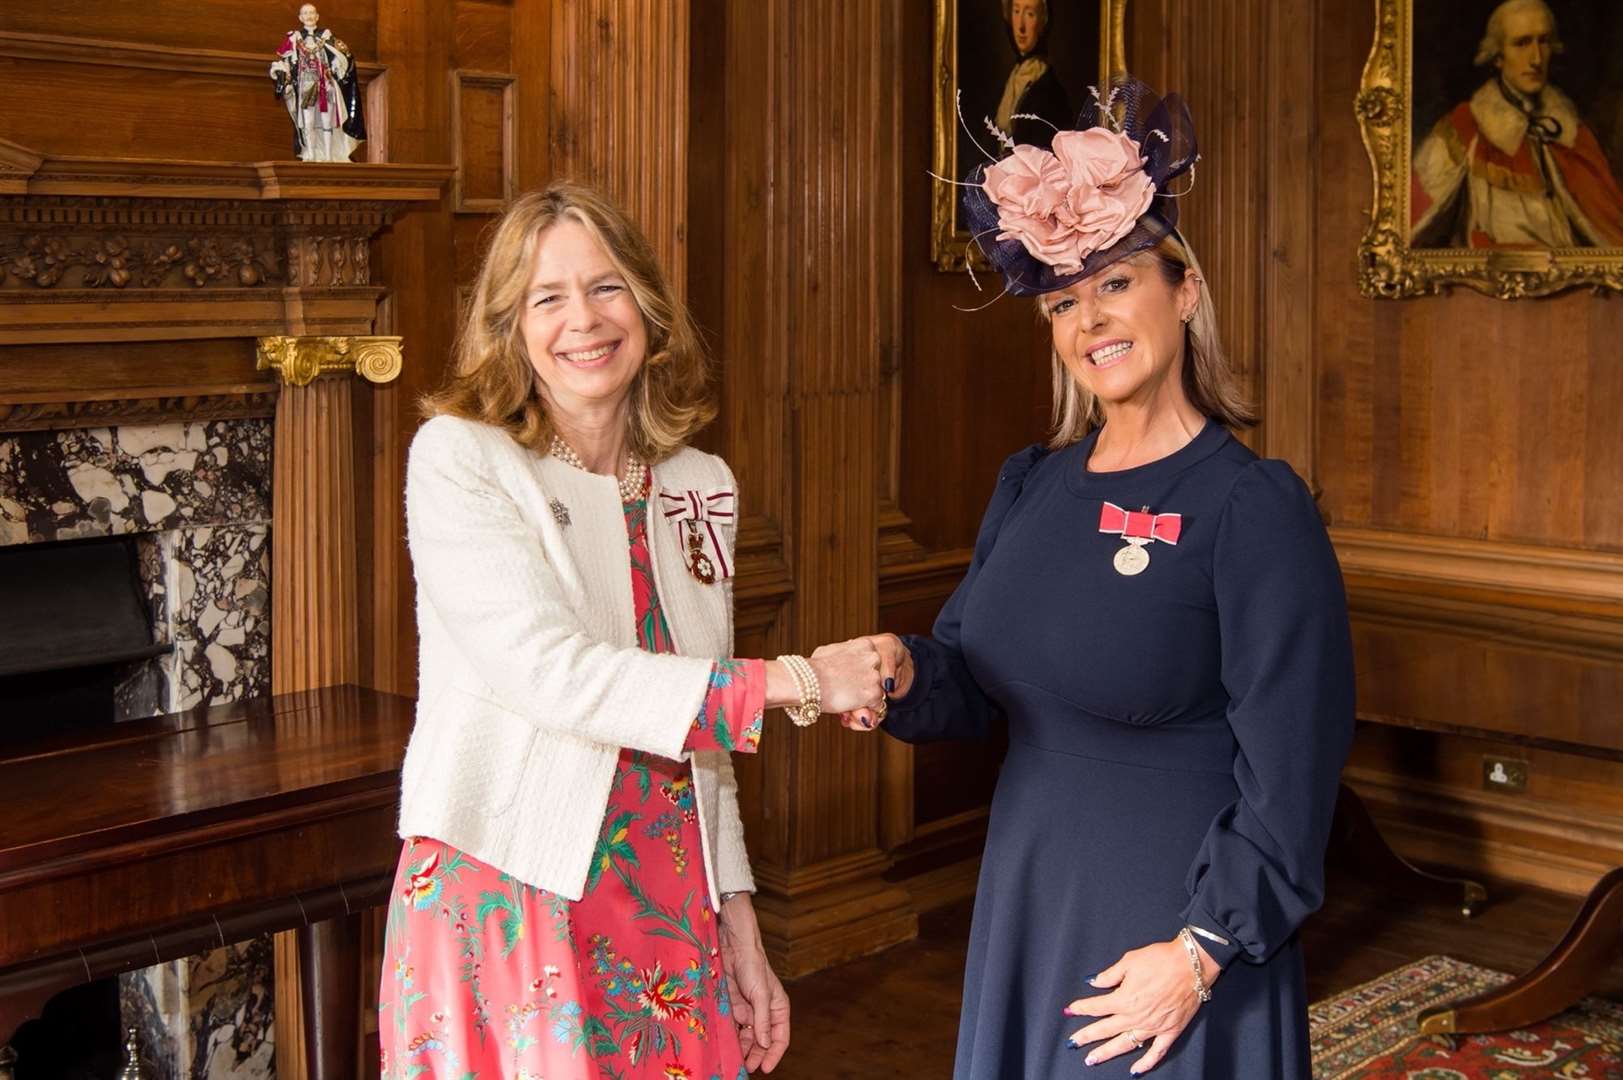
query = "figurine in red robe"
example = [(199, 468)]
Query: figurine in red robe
[(314, 75)]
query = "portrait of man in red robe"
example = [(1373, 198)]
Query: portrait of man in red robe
[(1515, 166)]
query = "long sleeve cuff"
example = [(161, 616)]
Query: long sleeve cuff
[(924, 676), (730, 717), (1218, 941)]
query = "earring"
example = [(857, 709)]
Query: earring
[(1188, 317)]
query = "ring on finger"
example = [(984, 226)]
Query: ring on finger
[(1138, 1043)]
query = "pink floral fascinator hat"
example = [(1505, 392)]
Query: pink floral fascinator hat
[(1048, 218)]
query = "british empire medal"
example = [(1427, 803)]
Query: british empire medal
[(1133, 558), (1140, 529)]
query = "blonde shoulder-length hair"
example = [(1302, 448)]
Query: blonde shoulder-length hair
[(491, 378), (1208, 380)]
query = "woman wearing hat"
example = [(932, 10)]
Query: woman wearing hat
[(1159, 615), (573, 894)]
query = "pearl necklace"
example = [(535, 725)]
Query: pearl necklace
[(632, 486)]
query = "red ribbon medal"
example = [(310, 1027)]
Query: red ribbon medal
[(1140, 529)]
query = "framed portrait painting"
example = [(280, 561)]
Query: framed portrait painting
[(1495, 130), (996, 60)]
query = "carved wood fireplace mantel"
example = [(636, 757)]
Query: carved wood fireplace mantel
[(139, 292), (96, 251)]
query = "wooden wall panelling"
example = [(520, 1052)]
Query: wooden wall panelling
[(619, 79), (808, 196), (1225, 216), (414, 41), (530, 29), (1461, 416), (484, 34), (482, 132), (743, 307), (1286, 317), (164, 99), (199, 24), (1472, 472)]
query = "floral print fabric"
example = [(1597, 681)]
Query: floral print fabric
[(486, 978)]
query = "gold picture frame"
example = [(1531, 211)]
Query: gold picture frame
[(949, 245), (1390, 267)]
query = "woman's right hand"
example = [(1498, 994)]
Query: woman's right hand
[(850, 675), (894, 664)]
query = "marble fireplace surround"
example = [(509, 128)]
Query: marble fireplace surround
[(196, 497), (185, 333)]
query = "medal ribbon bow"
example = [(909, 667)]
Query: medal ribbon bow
[(708, 509), (1136, 525)]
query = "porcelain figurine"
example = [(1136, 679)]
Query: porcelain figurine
[(314, 75)]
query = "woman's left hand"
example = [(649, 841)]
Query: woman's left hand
[(1151, 1000), (760, 1005)]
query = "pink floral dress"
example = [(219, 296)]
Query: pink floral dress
[(486, 977)]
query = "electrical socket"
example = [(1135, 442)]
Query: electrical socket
[(1503, 773)]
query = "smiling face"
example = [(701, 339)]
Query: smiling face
[(1120, 333), (583, 332), (1026, 19), (1529, 43)]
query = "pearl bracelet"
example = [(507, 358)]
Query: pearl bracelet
[(811, 704), (1202, 991)]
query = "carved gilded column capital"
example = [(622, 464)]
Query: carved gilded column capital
[(300, 360)]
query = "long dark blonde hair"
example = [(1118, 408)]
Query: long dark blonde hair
[(1208, 381), (492, 380)]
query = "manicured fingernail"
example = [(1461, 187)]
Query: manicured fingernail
[(890, 686), (867, 723), (1090, 1061), (1069, 1010), (1093, 980)]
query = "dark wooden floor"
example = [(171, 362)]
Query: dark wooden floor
[(896, 1014)]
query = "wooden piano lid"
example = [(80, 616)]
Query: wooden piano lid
[(145, 785)]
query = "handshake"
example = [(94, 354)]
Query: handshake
[(853, 679)]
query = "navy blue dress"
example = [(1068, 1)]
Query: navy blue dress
[(1175, 741)]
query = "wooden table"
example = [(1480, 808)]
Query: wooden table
[(156, 839), (1493, 687)]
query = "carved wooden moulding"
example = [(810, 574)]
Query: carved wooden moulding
[(97, 255), (126, 250)]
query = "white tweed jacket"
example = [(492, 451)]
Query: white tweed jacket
[(530, 679)]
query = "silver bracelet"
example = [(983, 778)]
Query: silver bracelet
[(1202, 991)]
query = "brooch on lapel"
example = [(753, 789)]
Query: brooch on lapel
[(1140, 529), (694, 515), (560, 512)]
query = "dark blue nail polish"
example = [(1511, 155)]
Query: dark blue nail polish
[(867, 723), (890, 686)]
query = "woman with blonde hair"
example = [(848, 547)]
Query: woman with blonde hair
[(573, 893), (1158, 615)]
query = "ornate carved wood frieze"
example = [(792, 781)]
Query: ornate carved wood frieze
[(124, 250), (114, 250)]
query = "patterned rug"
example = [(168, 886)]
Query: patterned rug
[(1368, 1033)]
